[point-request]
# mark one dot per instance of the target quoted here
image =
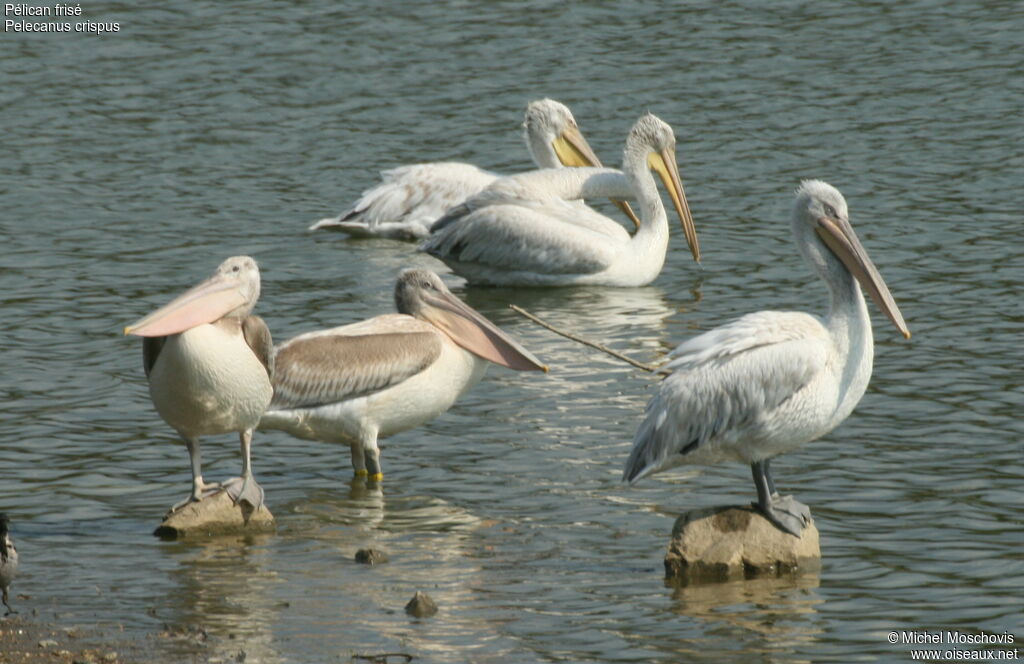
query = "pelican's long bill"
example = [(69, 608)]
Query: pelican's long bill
[(574, 151), (470, 330), (838, 235), (664, 164), (204, 303)]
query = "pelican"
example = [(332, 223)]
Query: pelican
[(8, 561), (519, 231), (209, 362), (772, 381), (411, 198), (356, 383)]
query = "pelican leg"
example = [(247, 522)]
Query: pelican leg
[(9, 609), (245, 487), (785, 512), (768, 478), (200, 489), (372, 453), (358, 460)]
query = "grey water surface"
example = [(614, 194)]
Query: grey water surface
[(135, 161)]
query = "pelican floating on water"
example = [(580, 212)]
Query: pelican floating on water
[(521, 231), (8, 561), (356, 383), (772, 381), (411, 198), (209, 362)]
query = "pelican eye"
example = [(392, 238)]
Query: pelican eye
[(236, 268), (831, 211)]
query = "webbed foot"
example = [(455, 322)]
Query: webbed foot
[(786, 513), (199, 491), (244, 488)]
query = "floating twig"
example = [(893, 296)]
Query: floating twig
[(586, 342)]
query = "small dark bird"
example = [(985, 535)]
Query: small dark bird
[(8, 561)]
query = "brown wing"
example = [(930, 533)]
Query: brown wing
[(151, 347), (257, 335), (324, 368)]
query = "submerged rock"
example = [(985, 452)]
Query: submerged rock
[(216, 514), (721, 543), (421, 606), (371, 556)]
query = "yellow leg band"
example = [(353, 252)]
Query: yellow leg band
[(377, 477), (362, 472)]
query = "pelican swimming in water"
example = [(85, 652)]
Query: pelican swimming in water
[(772, 381), (8, 561), (521, 231), (411, 198), (209, 362), (357, 383)]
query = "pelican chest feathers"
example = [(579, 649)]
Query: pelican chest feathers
[(8, 561), (521, 231), (772, 381), (209, 362), (411, 198), (357, 383)]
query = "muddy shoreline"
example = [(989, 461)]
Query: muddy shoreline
[(30, 640)]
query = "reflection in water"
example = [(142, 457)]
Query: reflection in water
[(777, 614), (361, 506), (430, 544), (628, 320), (364, 507), (224, 587)]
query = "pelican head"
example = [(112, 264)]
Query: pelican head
[(820, 208), (232, 292), (551, 131), (653, 140), (422, 294), (553, 138)]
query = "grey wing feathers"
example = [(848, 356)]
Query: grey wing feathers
[(421, 190), (322, 369), (257, 336), (761, 328), (151, 347), (725, 384), (518, 237)]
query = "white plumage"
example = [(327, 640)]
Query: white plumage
[(772, 381), (522, 230), (375, 378), (207, 381), (411, 198), (209, 363)]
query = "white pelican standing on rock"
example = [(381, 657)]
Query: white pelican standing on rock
[(8, 562), (375, 378), (411, 198), (521, 231), (209, 362), (771, 381)]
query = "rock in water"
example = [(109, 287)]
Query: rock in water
[(215, 515), (371, 556), (721, 543), (421, 606)]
